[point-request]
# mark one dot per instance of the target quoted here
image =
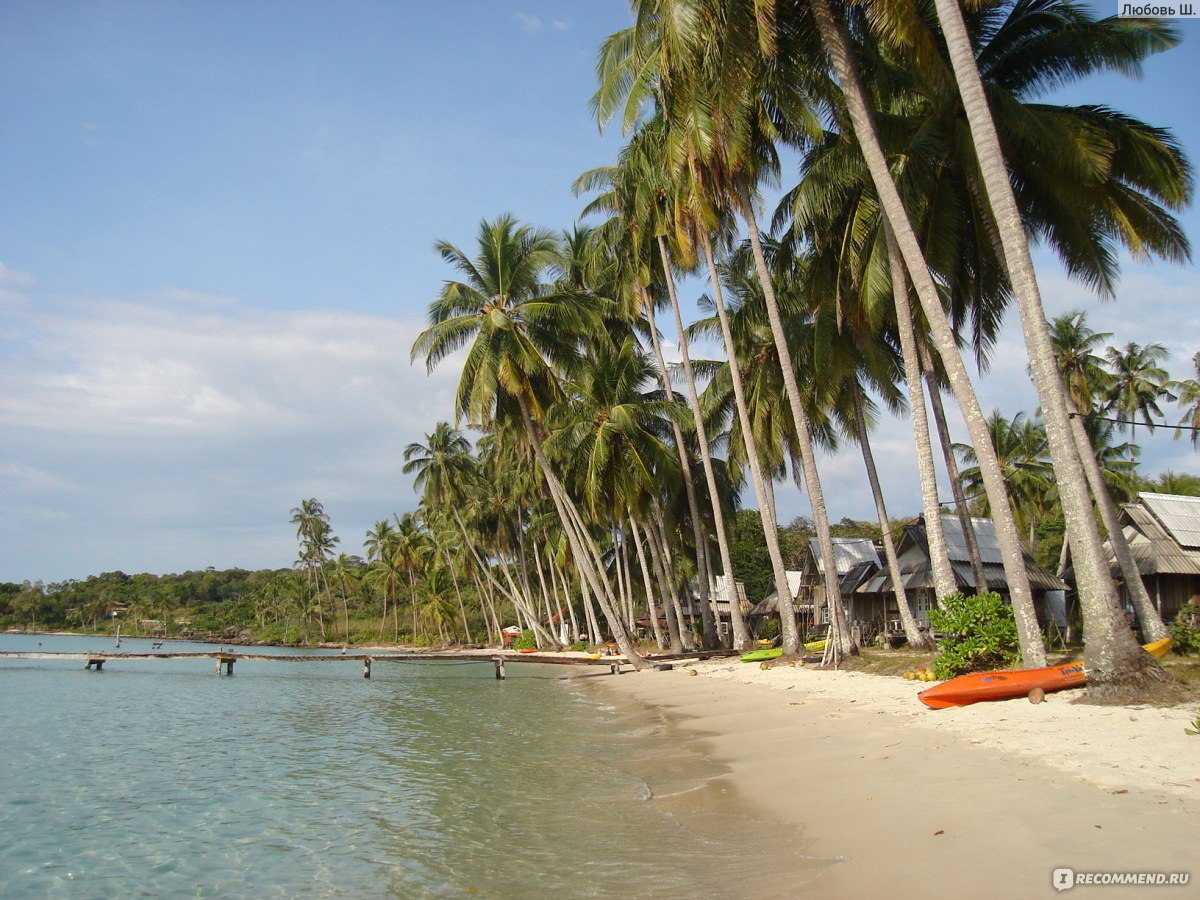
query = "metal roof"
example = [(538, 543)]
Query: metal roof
[(1178, 515), (985, 536), (917, 573), (847, 552), (1155, 548)]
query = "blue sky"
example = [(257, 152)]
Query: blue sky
[(216, 230)]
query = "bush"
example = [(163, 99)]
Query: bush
[(526, 640), (1185, 630), (579, 646), (979, 633)]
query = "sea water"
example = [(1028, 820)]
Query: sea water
[(159, 778)]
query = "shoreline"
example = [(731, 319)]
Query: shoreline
[(981, 801)]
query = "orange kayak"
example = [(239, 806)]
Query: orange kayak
[(967, 689), (1005, 685)]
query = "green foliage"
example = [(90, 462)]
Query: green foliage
[(748, 553), (526, 640), (1185, 630), (1195, 729), (979, 633), (770, 628), (579, 646)]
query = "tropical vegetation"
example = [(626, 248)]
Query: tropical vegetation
[(586, 487)]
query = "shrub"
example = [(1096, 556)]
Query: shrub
[(1185, 630), (979, 633), (526, 640), (579, 646)]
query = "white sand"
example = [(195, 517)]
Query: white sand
[(982, 801)]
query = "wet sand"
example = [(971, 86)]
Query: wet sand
[(891, 799)]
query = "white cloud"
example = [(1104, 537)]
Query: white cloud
[(134, 424), (529, 23)]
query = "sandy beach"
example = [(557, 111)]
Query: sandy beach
[(894, 799)]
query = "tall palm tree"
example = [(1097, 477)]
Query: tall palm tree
[(644, 190), (1138, 384), (900, 226), (1188, 397), (1021, 447), (520, 337), (718, 146), (1112, 655), (1086, 379)]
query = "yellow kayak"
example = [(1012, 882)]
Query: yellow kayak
[(815, 646), (1158, 649)]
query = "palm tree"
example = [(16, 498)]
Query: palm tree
[(644, 190), (1086, 379), (1021, 449), (383, 573), (520, 336), (1112, 655), (344, 568), (1188, 397), (1138, 384), (718, 144)]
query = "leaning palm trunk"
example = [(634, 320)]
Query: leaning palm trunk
[(939, 560), (1111, 653), (514, 596), (579, 539), (1151, 622), (714, 494), (841, 642), (660, 553), (960, 498), (787, 614), (462, 607), (916, 639), (685, 463), (647, 582), (1032, 648)]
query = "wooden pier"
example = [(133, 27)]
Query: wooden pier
[(225, 659)]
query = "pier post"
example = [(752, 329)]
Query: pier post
[(98, 663), (367, 667), (499, 668), (227, 662)]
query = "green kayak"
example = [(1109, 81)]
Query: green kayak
[(760, 655)]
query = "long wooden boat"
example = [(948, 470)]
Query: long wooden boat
[(1005, 685)]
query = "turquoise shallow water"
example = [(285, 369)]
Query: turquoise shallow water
[(161, 779)]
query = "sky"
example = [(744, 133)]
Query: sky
[(216, 248)]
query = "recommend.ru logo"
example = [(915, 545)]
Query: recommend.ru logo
[(1063, 878)]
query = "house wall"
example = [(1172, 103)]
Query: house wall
[(1169, 592)]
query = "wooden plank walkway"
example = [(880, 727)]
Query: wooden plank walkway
[(225, 659)]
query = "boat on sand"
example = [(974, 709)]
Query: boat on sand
[(1006, 685)]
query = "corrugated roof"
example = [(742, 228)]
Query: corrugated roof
[(794, 579), (985, 536), (1154, 548), (918, 574), (847, 552), (1179, 516)]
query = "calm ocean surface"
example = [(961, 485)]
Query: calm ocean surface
[(161, 779)]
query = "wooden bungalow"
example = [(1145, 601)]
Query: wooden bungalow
[(878, 606), (856, 561), (1163, 531)]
